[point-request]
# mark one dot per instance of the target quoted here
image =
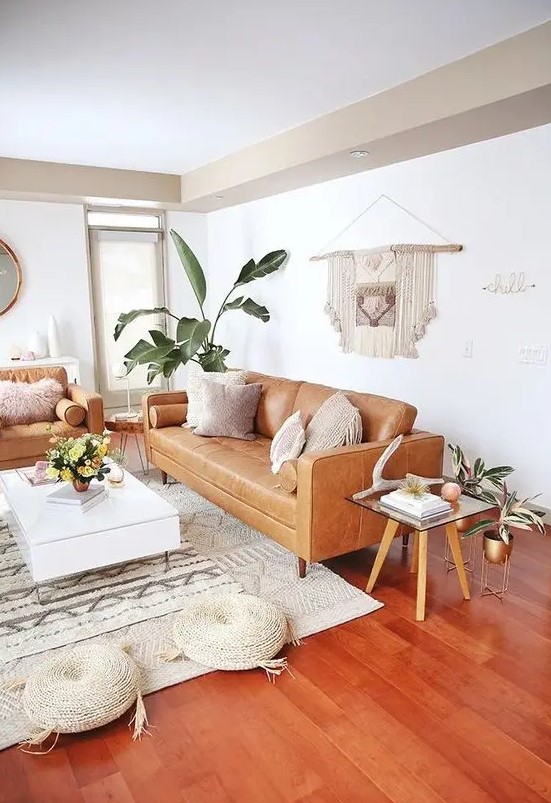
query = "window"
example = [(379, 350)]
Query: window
[(127, 273)]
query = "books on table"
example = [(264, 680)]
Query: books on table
[(66, 498), (420, 507)]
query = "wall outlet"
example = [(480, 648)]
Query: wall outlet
[(468, 348), (535, 355)]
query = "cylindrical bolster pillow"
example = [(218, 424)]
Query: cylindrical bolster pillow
[(287, 476), (167, 415), (70, 412)]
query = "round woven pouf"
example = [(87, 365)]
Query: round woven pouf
[(84, 688), (232, 631)]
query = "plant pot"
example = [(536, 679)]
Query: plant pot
[(464, 524), (81, 485), (496, 551)]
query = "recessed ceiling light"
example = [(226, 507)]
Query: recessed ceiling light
[(359, 154)]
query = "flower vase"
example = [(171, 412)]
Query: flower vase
[(81, 485), (54, 346)]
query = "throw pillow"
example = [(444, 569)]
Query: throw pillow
[(196, 383), (336, 423), (288, 442), (29, 402), (73, 414), (229, 410)]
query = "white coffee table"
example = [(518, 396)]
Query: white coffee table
[(133, 522)]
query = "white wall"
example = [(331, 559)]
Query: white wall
[(494, 198), (50, 242)]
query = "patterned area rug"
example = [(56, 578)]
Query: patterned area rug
[(134, 603)]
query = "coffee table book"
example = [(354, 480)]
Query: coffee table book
[(66, 498), (420, 507)]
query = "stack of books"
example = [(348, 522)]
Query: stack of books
[(66, 498), (419, 507)]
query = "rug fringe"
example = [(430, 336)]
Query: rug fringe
[(170, 654), (36, 738), (12, 685), (292, 635), (139, 720), (274, 668)]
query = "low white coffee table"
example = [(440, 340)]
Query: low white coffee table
[(133, 522)]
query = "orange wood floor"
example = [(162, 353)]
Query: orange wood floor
[(455, 709)]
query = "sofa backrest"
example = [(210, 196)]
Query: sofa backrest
[(382, 418), (27, 374)]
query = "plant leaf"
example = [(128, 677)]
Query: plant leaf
[(213, 360), (478, 527), (192, 267), (256, 270), (160, 339), (127, 317), (250, 307)]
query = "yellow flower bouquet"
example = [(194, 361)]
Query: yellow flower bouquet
[(78, 460)]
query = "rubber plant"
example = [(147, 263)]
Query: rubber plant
[(195, 337)]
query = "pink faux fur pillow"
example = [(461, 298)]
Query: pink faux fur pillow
[(29, 402)]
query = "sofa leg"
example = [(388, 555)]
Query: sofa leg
[(301, 567), (164, 478), (405, 540)]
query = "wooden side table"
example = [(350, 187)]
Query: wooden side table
[(126, 427), (466, 506)]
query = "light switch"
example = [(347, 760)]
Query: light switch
[(534, 355), (468, 348)]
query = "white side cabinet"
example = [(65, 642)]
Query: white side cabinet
[(71, 365)]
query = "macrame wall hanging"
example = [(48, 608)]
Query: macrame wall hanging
[(381, 300)]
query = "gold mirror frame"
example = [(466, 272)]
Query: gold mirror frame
[(11, 253)]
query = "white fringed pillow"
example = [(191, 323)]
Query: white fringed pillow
[(288, 442), (336, 423), (29, 402), (195, 390)]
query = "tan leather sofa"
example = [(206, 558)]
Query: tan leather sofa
[(24, 444), (315, 521)]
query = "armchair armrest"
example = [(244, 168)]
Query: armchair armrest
[(158, 399), (327, 523), (92, 403)]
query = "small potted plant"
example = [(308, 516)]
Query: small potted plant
[(472, 479), (498, 539), (78, 460)]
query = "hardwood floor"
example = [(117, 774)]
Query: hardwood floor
[(456, 709)]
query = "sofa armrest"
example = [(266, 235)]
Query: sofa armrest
[(92, 403), (158, 399), (327, 523)]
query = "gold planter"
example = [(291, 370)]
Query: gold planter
[(464, 524), (80, 485), (496, 551)]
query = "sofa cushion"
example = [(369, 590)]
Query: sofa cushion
[(241, 468), (382, 418), (22, 441), (276, 402), (229, 411), (29, 402), (196, 384), (73, 414), (336, 423)]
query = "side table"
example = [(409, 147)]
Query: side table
[(466, 506), (126, 427)]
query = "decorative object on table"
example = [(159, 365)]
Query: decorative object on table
[(381, 300), (54, 346), (196, 383), (412, 498), (37, 344), (512, 285), (10, 278), (29, 402), (115, 478), (79, 690), (120, 372), (127, 427), (474, 479), (194, 340), (498, 539), (28, 356), (288, 442), (33, 476), (65, 498), (380, 484), (336, 423), (232, 632), (229, 411), (15, 351), (450, 491), (78, 460)]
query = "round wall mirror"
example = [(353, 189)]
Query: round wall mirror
[(10, 277)]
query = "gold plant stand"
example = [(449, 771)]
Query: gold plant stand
[(485, 588), (468, 558)]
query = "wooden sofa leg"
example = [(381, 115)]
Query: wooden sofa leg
[(405, 540), (301, 567), (164, 477)]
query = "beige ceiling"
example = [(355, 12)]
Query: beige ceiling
[(498, 90)]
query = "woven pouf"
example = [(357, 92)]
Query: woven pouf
[(84, 688), (232, 631)]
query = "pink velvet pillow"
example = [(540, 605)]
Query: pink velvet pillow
[(29, 402)]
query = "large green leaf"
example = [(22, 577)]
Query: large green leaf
[(144, 352), (256, 270), (196, 338), (249, 306), (191, 266), (213, 360), (478, 527), (192, 330), (127, 317)]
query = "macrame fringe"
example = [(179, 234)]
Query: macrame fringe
[(292, 635), (274, 668), (353, 434), (139, 720), (36, 738)]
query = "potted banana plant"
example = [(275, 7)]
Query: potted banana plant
[(472, 479), (498, 540), (194, 337)]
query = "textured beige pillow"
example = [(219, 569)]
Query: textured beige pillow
[(336, 423), (196, 382), (229, 410), (288, 442)]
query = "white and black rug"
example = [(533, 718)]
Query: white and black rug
[(134, 603)]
